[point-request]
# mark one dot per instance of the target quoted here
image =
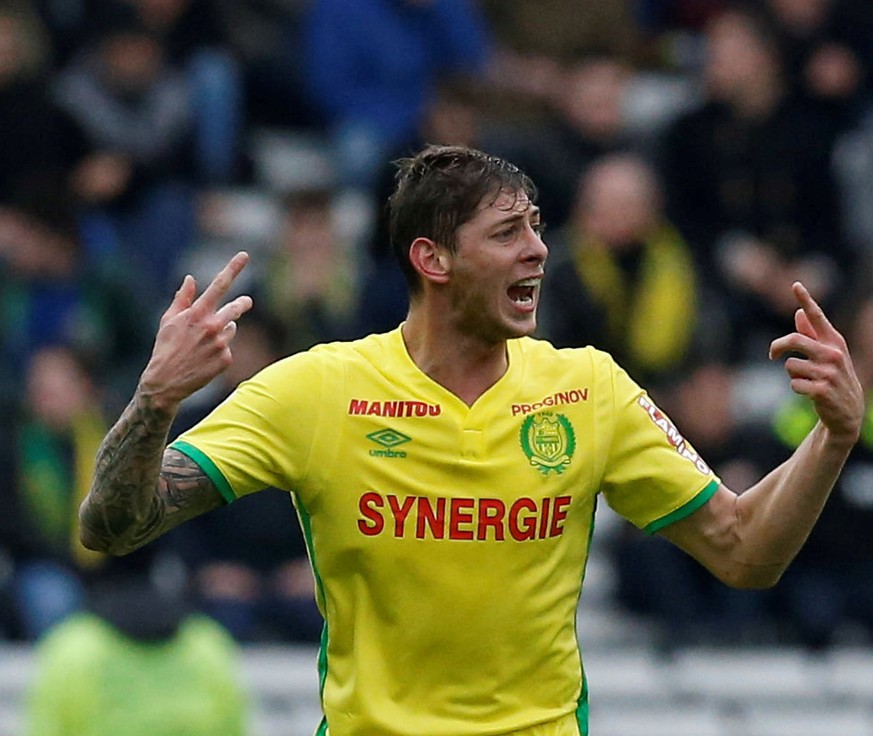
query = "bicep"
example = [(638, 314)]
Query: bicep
[(717, 535), (709, 533), (185, 489)]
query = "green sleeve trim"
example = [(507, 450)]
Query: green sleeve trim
[(684, 510), (208, 467)]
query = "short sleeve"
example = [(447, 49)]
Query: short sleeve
[(262, 434), (653, 476)]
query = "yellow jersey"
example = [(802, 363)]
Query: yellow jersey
[(449, 541)]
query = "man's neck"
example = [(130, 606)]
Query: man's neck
[(460, 363), (758, 101)]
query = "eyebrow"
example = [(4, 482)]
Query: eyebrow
[(513, 216)]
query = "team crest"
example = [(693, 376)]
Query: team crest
[(548, 441)]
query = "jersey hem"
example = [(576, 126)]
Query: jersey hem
[(685, 510), (208, 467)]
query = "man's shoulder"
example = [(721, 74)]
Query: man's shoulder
[(540, 348), (78, 635), (544, 359), (370, 347), (376, 348)]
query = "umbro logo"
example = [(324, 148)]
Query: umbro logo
[(388, 439)]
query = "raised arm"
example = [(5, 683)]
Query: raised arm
[(748, 540), (140, 490)]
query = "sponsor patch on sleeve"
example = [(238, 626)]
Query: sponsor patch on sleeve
[(672, 434)]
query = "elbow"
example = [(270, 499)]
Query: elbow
[(744, 576), (96, 541), (93, 541), (87, 536)]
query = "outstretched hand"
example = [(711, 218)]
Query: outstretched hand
[(821, 368), (192, 345)]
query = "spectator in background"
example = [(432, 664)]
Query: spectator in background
[(671, 31), (621, 278), (39, 143), (266, 37), (536, 44), (136, 663), (193, 36), (309, 284), (46, 471), (749, 184), (69, 25), (853, 167), (825, 44), (563, 30), (372, 67), (585, 122), (50, 294), (137, 114), (249, 571)]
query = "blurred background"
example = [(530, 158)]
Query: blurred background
[(693, 158)]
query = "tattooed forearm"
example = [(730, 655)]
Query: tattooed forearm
[(133, 499)]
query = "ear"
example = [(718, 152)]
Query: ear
[(433, 262)]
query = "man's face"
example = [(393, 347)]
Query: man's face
[(497, 269), (736, 56)]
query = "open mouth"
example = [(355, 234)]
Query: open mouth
[(522, 292)]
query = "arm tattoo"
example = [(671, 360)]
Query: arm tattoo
[(140, 490)]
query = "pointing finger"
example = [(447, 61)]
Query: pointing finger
[(813, 312), (233, 310), (803, 325), (182, 299), (222, 282)]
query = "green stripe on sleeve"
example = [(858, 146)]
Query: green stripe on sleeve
[(582, 709), (684, 510), (208, 467)]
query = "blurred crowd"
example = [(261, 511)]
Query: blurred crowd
[(693, 159)]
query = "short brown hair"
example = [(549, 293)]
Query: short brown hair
[(438, 190)]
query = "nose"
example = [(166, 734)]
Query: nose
[(536, 250)]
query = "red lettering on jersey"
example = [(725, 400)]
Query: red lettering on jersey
[(573, 396), (460, 513), (400, 512), (544, 518), (491, 513), (559, 514), (396, 408), (435, 520), (367, 506), (522, 529), (484, 519)]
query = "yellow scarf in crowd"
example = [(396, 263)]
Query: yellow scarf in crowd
[(52, 490), (654, 322)]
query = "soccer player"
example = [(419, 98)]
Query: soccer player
[(446, 473)]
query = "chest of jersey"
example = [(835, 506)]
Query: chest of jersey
[(438, 470), (508, 481)]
